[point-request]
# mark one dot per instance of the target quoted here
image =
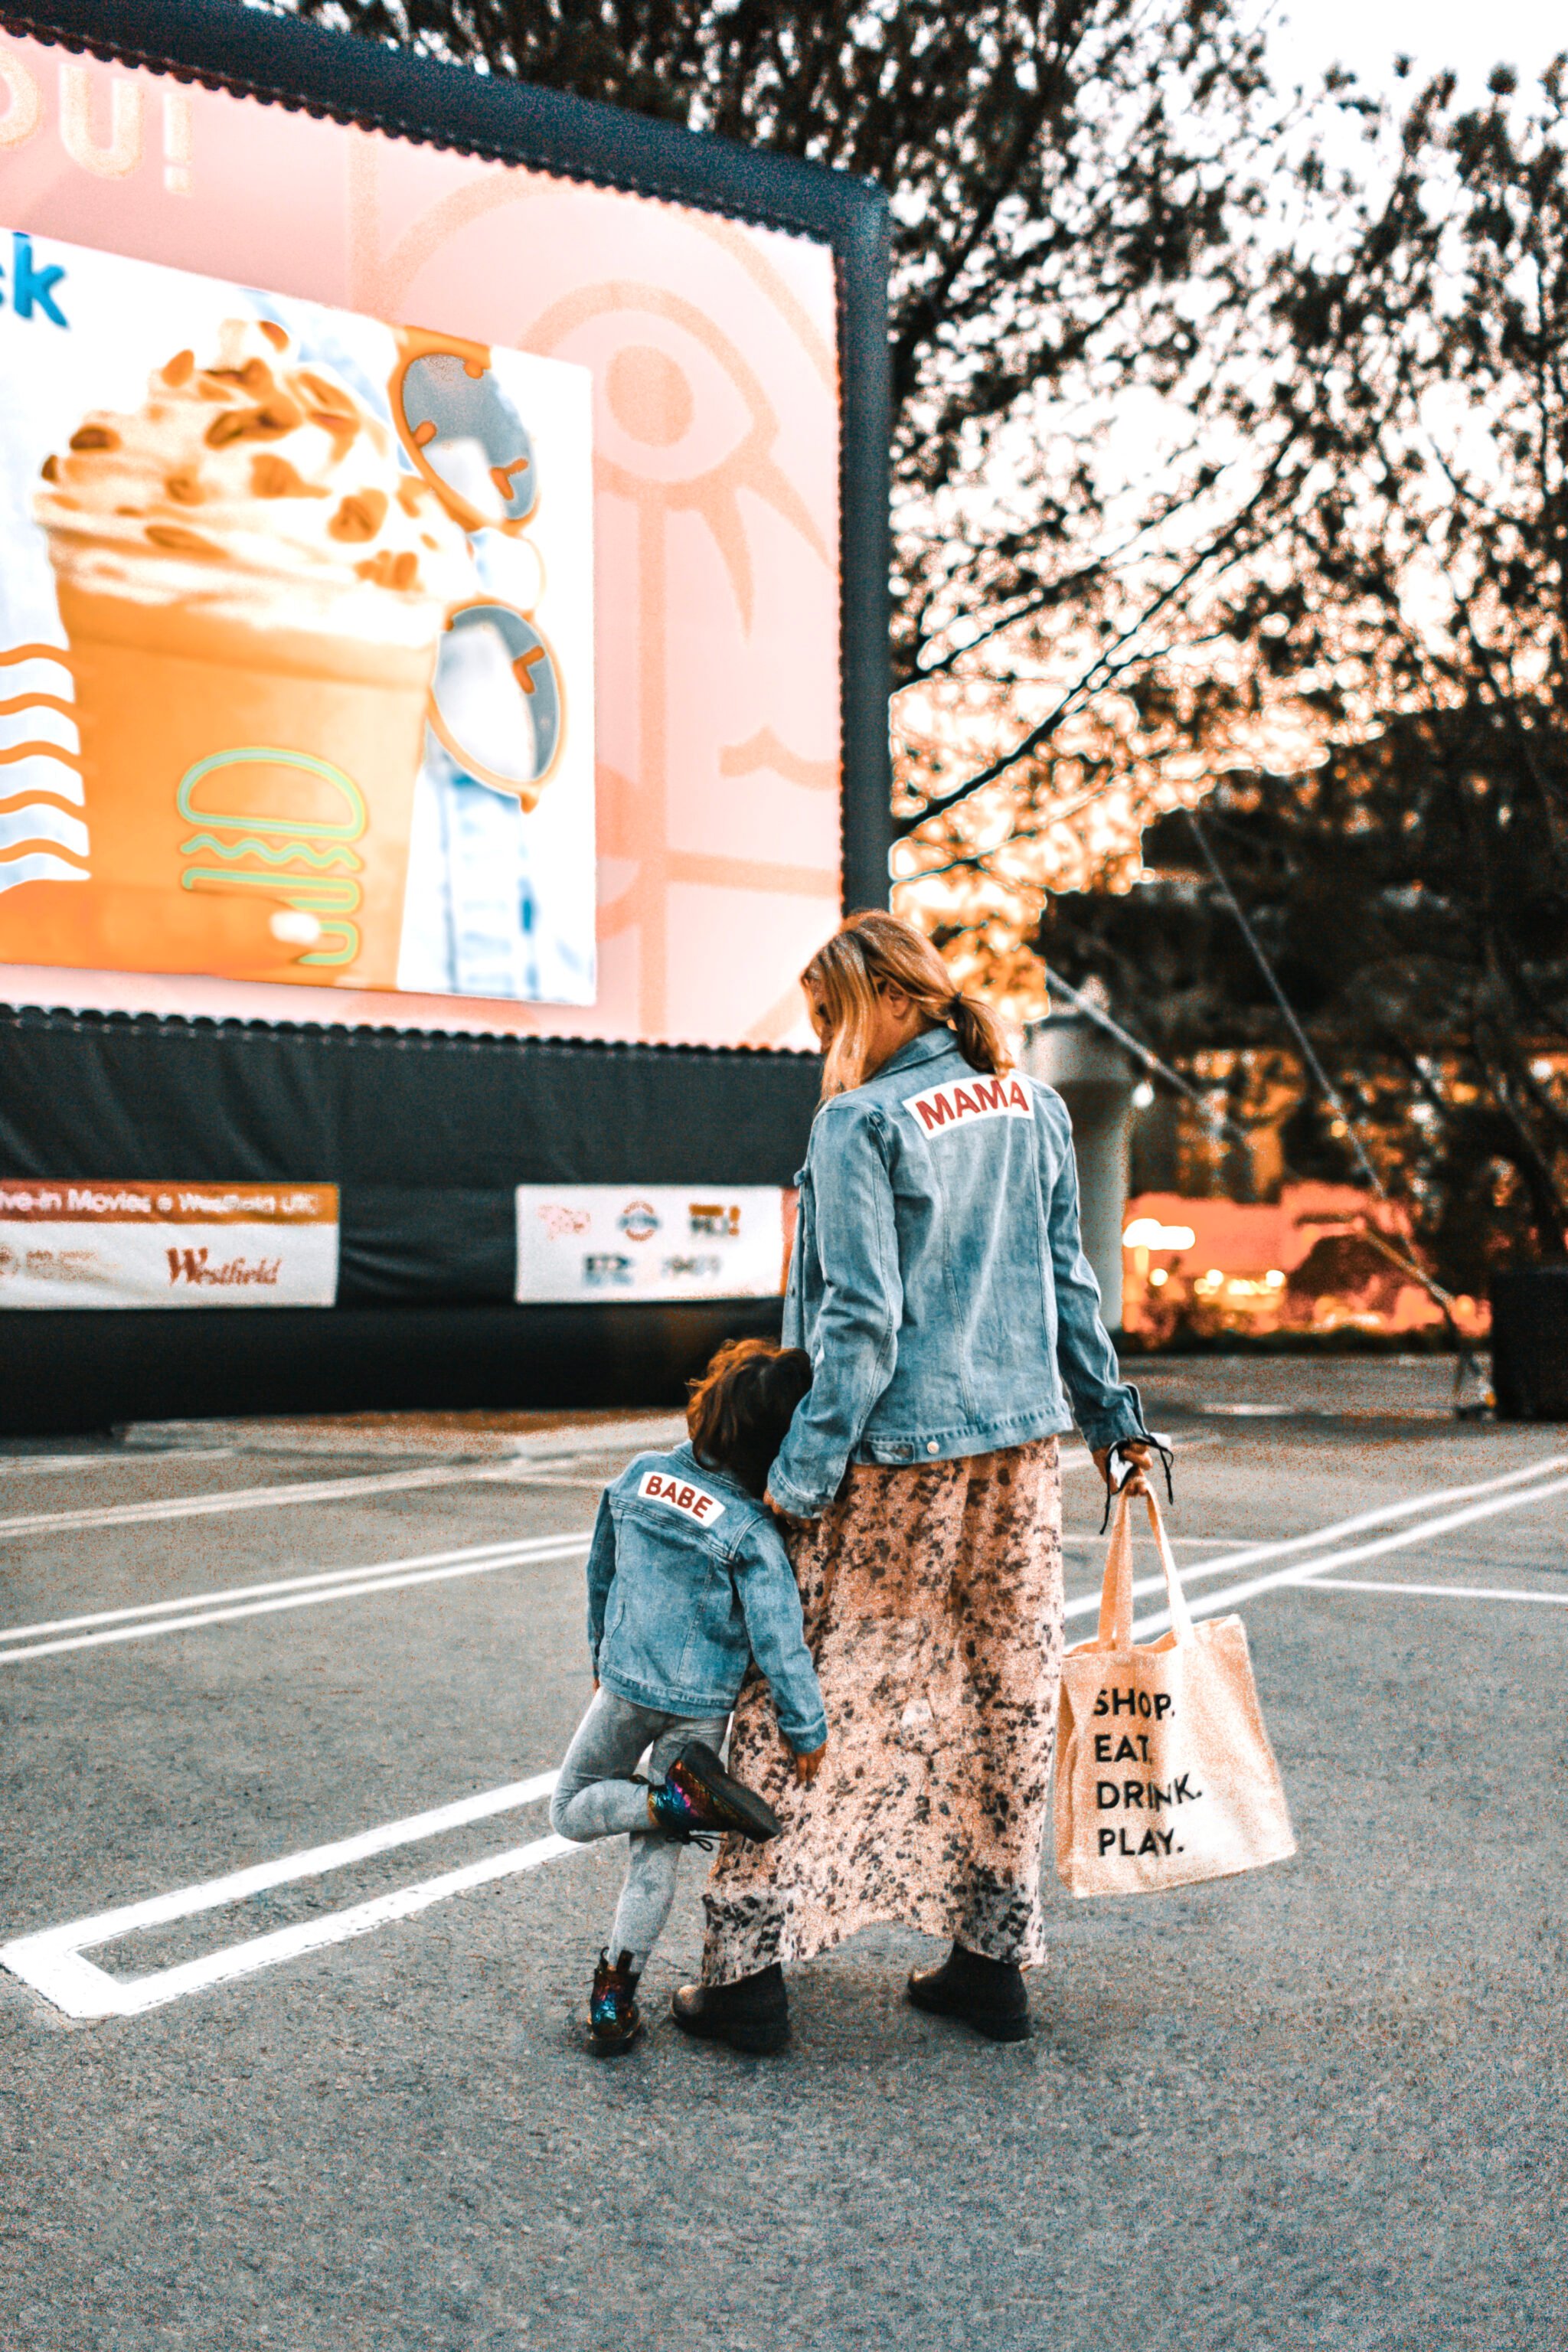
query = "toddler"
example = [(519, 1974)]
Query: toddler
[(688, 1582)]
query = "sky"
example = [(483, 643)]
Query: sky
[(1471, 35)]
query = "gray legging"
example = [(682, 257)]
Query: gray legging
[(595, 1798)]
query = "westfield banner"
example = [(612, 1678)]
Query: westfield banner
[(76, 1243)]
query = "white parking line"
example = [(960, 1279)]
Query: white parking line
[(259, 1498), (52, 1962), (1306, 1571), (508, 1546), (1437, 1591), (152, 1619), (15, 1465), (1409, 1508)]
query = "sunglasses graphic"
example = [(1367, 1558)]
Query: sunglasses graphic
[(497, 704)]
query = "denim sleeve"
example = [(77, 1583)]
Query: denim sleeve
[(601, 1575), (856, 1341), (1105, 1406), (770, 1598)]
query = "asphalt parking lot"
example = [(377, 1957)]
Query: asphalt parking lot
[(337, 2101)]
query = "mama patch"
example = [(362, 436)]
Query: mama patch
[(979, 1097)]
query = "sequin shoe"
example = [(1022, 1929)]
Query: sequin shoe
[(751, 2015), (987, 1995), (698, 1799), (614, 2020)]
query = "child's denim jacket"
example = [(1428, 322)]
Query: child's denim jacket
[(687, 1581), (937, 1280)]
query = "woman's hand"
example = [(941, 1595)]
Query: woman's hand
[(788, 1518), (807, 1767), (1137, 1454)]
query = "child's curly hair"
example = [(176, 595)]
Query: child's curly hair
[(742, 1406)]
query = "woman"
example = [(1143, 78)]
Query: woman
[(938, 1284)]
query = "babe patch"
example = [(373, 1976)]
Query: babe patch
[(680, 1495), (941, 1108)]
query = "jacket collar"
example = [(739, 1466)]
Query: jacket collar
[(924, 1048), (687, 1452)]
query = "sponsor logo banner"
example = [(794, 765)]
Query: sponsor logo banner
[(610, 1242), (680, 1495), (73, 1243), (941, 1109)]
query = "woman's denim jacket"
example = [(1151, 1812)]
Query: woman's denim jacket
[(937, 1280), (689, 1581)]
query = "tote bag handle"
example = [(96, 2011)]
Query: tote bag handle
[(1116, 1592)]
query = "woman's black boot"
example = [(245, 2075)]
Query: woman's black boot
[(986, 1994), (751, 2015)]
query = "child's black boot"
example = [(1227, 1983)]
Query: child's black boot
[(614, 2020), (986, 1994), (698, 1799), (751, 2015)]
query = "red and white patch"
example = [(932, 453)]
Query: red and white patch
[(680, 1494), (941, 1109)]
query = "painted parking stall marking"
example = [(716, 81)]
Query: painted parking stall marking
[(52, 1962), (1435, 1592), (262, 1499), (1304, 1572), (150, 1619), (1411, 1506)]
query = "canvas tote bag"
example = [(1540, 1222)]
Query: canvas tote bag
[(1164, 1773)]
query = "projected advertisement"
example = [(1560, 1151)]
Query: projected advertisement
[(296, 641)]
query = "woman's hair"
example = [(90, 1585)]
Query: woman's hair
[(875, 951), (743, 1406)]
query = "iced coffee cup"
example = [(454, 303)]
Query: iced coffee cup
[(254, 590)]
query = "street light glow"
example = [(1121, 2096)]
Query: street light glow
[(1148, 1233)]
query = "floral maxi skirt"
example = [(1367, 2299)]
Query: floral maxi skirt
[(933, 1610)]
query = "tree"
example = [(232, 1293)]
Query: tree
[(1404, 896), (1409, 880)]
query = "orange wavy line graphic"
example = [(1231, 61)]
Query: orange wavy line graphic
[(39, 846), (763, 749), (36, 653), (752, 873), (40, 751), (36, 702), (10, 803)]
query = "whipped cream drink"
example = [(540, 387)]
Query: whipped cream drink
[(254, 590)]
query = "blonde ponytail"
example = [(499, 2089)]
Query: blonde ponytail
[(876, 950)]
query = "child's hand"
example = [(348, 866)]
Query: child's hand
[(807, 1767)]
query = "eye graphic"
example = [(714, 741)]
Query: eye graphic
[(462, 432), (497, 704), (681, 420)]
